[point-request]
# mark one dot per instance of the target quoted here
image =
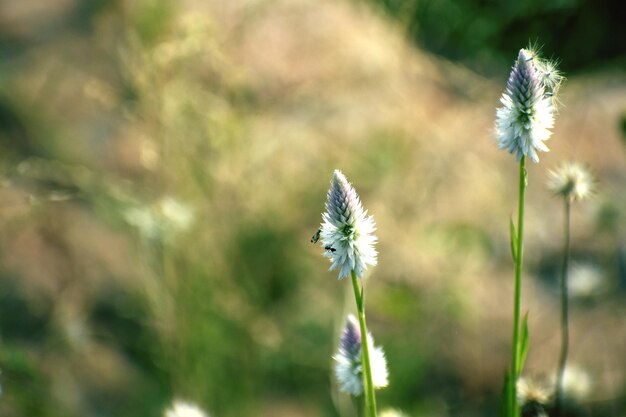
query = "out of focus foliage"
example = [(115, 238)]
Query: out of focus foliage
[(577, 32)]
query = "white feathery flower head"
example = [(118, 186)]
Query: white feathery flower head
[(348, 367), (392, 412), (184, 409), (551, 79), (523, 123), (571, 180), (549, 74), (530, 390), (347, 233)]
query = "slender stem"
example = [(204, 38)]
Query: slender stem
[(516, 349), (564, 311), (368, 386)]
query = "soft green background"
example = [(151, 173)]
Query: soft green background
[(164, 166)]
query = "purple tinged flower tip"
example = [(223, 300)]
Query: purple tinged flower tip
[(347, 232), (523, 123), (348, 362)]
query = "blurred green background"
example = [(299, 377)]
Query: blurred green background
[(164, 165)]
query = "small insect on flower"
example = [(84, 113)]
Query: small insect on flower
[(316, 236), (347, 230)]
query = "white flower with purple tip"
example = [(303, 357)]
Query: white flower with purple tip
[(523, 123), (347, 233), (348, 367)]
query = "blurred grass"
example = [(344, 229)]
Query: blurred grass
[(164, 166)]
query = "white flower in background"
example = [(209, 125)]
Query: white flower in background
[(523, 123), (178, 215), (585, 279), (530, 390), (392, 412), (184, 409), (144, 220), (347, 233), (166, 216), (576, 382), (348, 367), (571, 180)]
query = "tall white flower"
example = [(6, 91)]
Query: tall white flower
[(347, 233), (523, 123), (572, 181), (348, 367), (184, 409)]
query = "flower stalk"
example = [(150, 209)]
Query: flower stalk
[(368, 384), (523, 125), (572, 182), (347, 236), (518, 255), (564, 311)]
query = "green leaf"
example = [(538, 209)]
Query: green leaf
[(513, 240), (524, 344)]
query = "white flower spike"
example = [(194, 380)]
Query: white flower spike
[(347, 233), (523, 123), (348, 367)]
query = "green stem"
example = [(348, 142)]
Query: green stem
[(368, 386), (564, 312), (516, 349)]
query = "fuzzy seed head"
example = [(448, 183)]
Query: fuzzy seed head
[(572, 181), (530, 390)]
